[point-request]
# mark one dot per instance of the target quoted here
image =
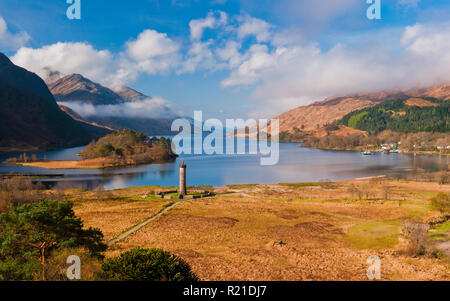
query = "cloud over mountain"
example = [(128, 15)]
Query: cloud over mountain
[(68, 58), (155, 107), (281, 66)]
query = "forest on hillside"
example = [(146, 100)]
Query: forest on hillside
[(396, 116)]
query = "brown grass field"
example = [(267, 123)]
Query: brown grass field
[(316, 231)]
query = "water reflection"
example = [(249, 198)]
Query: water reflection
[(296, 164)]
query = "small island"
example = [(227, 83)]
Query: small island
[(118, 149)]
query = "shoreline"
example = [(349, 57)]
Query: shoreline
[(59, 165), (429, 153), (100, 163)]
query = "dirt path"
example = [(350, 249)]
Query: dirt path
[(139, 226)]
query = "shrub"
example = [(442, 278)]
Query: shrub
[(386, 192), (102, 194), (19, 191), (106, 149), (444, 178), (331, 127), (442, 203), (417, 236), (147, 265)]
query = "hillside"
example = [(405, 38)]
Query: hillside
[(149, 126), (77, 89), (77, 117), (413, 115), (24, 81), (129, 94), (441, 91), (30, 119), (314, 116), (411, 125)]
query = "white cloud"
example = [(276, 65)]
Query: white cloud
[(287, 37), (300, 73), (10, 40), (428, 52), (198, 26), (230, 53), (199, 57), (250, 26), (205, 55), (147, 108), (411, 33), (68, 58), (282, 66), (259, 62), (150, 44), (151, 53), (223, 51)]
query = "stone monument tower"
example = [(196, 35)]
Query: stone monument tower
[(182, 190)]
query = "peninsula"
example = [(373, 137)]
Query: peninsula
[(118, 149)]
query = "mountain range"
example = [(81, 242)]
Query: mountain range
[(318, 114), (72, 90), (30, 118)]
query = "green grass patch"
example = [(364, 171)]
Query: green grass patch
[(374, 235), (444, 227), (189, 193), (441, 233), (415, 208), (149, 197), (171, 194), (150, 187), (241, 186), (200, 187), (326, 185)]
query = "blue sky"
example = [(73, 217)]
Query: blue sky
[(248, 58)]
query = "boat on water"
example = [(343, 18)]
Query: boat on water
[(366, 153)]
